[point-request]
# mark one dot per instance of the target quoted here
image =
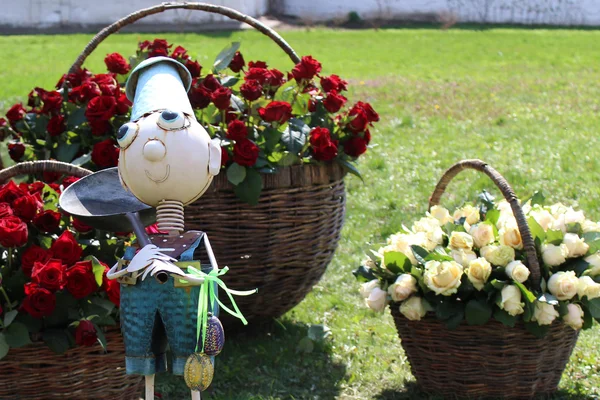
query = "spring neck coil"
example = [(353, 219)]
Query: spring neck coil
[(170, 216)]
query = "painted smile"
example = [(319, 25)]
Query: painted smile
[(164, 178)]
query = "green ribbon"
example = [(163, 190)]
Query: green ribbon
[(208, 295)]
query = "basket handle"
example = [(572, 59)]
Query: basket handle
[(35, 167), (509, 195), (226, 11)]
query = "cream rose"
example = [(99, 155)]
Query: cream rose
[(441, 214), (517, 271), (510, 300), (554, 255), (575, 245), (402, 241), (590, 226), (575, 316), (479, 271), (404, 286), (588, 287), (483, 234), (510, 236), (498, 255), (461, 241), (470, 213), (367, 287), (443, 277), (433, 232), (414, 308), (463, 257), (377, 300), (544, 313), (594, 261), (563, 285), (542, 217)]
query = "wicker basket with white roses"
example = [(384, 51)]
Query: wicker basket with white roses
[(499, 288)]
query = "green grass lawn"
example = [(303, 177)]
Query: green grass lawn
[(526, 101)]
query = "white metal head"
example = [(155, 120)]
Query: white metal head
[(165, 153)]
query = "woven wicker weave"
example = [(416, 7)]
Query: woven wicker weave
[(281, 246), (34, 372), (490, 360)]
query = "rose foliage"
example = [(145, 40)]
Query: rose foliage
[(263, 118), (470, 266), (53, 281)]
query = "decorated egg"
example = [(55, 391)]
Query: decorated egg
[(198, 372), (215, 337)]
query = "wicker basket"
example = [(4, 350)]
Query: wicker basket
[(34, 372), (490, 360), (283, 245)]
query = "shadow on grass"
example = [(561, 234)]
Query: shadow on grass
[(265, 362)]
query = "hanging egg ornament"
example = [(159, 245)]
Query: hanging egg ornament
[(198, 372), (215, 337)]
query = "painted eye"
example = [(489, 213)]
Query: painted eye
[(171, 120), (126, 134)]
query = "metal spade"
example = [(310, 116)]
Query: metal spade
[(100, 201)]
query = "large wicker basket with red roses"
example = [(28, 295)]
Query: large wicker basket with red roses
[(275, 212)]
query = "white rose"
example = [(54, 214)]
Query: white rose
[(554, 255), (542, 217), (590, 226), (510, 236), (470, 213), (511, 300), (544, 313), (479, 271), (517, 271), (498, 255), (441, 214), (377, 300), (574, 217), (575, 316), (588, 287), (483, 234), (404, 286), (463, 257), (414, 308), (461, 240), (401, 242), (563, 285), (575, 245), (594, 261), (367, 287), (559, 223), (432, 230), (443, 277)]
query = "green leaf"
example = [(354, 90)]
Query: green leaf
[(435, 256), (588, 320), (57, 340), (447, 309), (537, 198), (529, 297), (492, 216), (300, 104), (272, 137), (349, 167), (9, 317), (237, 104), (505, 318), (536, 229), (65, 152), (454, 321), (84, 159), (294, 136), (288, 159), (225, 56), (101, 337), (593, 240), (236, 173), (286, 92), (76, 118), (538, 331), (104, 303), (34, 325), (420, 253), (594, 307), (478, 312), (548, 298), (364, 274), (396, 262), (97, 268), (229, 81), (4, 347), (249, 190), (554, 237), (17, 335)]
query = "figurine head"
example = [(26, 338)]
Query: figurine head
[(165, 153)]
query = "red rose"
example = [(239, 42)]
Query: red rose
[(251, 90), (144, 45), (47, 221), (3, 123), (237, 62), (123, 104), (333, 82), (355, 146), (106, 153), (236, 130), (34, 98), (49, 275), (56, 125), (52, 102), (39, 302), (180, 52), (35, 187), (75, 78), (81, 281), (16, 113), (366, 108), (85, 333), (69, 180), (10, 192), (5, 210), (32, 255), (257, 64), (27, 206), (54, 187), (16, 151), (358, 120), (107, 83), (210, 83), (334, 101), (117, 64), (85, 92), (13, 232), (66, 248), (159, 47), (199, 97), (99, 128), (101, 108), (224, 156), (80, 226), (245, 152), (261, 75), (323, 147), (307, 68), (111, 287), (275, 78), (276, 111), (222, 98), (194, 67)]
